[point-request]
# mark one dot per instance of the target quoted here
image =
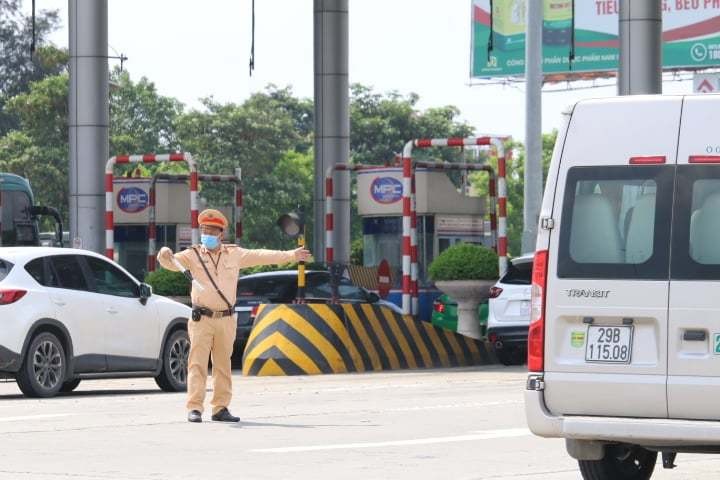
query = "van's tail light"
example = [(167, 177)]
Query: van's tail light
[(704, 159), (536, 333), (11, 296), (253, 312), (438, 306), (495, 292), (647, 160)]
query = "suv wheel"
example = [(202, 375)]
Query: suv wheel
[(43, 370), (70, 385), (173, 376), (621, 462)]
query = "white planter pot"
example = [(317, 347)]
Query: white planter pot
[(469, 294)]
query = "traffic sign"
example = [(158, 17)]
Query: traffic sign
[(706, 83)]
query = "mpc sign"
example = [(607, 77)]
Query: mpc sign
[(386, 190), (132, 200)]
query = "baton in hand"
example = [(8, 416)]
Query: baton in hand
[(188, 275)]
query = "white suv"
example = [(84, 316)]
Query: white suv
[(68, 315), (509, 312), (624, 344)]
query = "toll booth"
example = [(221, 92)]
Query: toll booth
[(445, 216), (131, 213)]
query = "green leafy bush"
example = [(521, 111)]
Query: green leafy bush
[(465, 261), (166, 282)]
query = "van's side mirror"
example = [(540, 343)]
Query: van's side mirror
[(372, 297), (145, 292)]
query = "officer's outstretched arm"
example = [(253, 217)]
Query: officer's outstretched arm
[(261, 256)]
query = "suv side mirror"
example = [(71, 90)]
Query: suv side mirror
[(372, 297), (145, 292)]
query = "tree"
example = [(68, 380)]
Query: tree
[(141, 121), (515, 183), (268, 136), (18, 67), (380, 124)]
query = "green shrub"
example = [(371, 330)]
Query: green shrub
[(166, 282), (465, 261)]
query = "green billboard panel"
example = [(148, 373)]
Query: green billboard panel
[(582, 36)]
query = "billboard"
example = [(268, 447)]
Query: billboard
[(586, 39)]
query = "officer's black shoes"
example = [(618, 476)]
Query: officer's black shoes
[(195, 416), (225, 416)]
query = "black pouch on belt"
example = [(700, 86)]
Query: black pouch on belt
[(198, 312)]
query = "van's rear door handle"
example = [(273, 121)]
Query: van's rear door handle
[(694, 335)]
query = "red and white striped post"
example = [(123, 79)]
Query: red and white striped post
[(329, 215), (238, 205), (407, 229), (147, 158), (414, 268), (152, 228), (408, 173), (502, 240), (329, 218)]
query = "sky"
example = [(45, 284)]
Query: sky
[(192, 49)]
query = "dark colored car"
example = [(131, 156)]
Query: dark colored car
[(281, 287)]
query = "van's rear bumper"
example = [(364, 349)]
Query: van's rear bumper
[(638, 431)]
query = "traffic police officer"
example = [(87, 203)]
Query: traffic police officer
[(212, 331)]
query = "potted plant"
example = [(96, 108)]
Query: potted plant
[(466, 272), (169, 284)]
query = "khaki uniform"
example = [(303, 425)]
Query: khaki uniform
[(216, 336)]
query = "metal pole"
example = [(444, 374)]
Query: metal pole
[(301, 270), (332, 122), (640, 31), (532, 188), (88, 121)]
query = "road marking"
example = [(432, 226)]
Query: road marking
[(35, 417), (482, 435), (452, 406)]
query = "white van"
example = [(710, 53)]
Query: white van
[(624, 344)]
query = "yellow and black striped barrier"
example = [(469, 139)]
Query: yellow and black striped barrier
[(318, 338)]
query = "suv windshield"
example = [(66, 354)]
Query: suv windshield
[(5, 268), (518, 274)]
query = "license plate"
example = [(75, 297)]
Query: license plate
[(609, 344)]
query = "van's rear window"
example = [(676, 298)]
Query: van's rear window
[(616, 222), (696, 227), (5, 268)]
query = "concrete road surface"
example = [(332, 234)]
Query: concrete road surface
[(441, 424)]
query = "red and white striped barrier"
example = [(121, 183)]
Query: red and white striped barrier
[(329, 216), (409, 295), (147, 158), (152, 227)]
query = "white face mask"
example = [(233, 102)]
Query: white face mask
[(210, 241)]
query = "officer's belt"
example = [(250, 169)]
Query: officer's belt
[(206, 312)]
